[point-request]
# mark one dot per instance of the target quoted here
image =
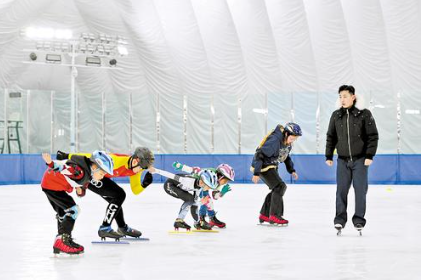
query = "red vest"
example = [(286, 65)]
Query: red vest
[(55, 181)]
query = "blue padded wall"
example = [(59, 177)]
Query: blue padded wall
[(386, 169)]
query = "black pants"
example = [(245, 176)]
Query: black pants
[(115, 196), (273, 204), (348, 172), (171, 188), (61, 203)]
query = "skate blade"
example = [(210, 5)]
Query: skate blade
[(205, 231), (272, 225), (134, 239), (180, 232), (110, 242), (63, 255)]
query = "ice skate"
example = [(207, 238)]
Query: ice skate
[(359, 228), (107, 232), (202, 224), (338, 227), (263, 218), (216, 222), (128, 231), (279, 221), (65, 244), (180, 223)]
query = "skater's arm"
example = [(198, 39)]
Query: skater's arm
[(331, 139), (221, 191), (185, 168), (371, 132), (187, 184), (163, 173), (55, 165), (289, 165)]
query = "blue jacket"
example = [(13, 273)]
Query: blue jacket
[(271, 152)]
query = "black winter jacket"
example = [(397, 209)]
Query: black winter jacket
[(271, 152), (353, 126)]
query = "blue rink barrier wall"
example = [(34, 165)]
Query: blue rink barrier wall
[(386, 169)]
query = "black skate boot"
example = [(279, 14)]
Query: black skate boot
[(107, 231), (179, 223), (128, 231), (64, 244), (216, 222), (338, 227), (203, 224), (359, 228)]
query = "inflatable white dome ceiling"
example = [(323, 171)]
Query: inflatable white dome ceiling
[(183, 55)]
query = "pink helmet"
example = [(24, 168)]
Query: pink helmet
[(226, 170)]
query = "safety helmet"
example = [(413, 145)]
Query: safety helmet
[(209, 178), (103, 161), (145, 156), (293, 129), (226, 170)]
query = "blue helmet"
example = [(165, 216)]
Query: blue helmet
[(293, 129), (209, 178), (103, 161)]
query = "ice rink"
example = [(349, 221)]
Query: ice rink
[(308, 248)]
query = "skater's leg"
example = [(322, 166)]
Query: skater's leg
[(360, 185), (265, 209), (344, 180), (113, 194), (184, 209), (170, 187), (273, 180), (207, 206), (277, 204), (194, 212), (66, 210), (120, 218)]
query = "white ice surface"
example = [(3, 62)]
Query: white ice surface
[(308, 248)]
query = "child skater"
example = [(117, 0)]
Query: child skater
[(225, 173), (275, 148), (131, 166), (190, 190), (59, 179)]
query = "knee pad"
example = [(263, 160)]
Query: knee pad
[(72, 212)]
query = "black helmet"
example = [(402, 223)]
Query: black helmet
[(145, 156), (293, 129)]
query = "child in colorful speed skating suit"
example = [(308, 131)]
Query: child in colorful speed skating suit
[(190, 190), (225, 173), (59, 179), (131, 166)]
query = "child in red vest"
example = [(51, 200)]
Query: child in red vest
[(59, 179)]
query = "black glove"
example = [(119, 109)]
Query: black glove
[(147, 180), (62, 155)]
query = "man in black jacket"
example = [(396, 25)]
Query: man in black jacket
[(274, 149), (353, 132)]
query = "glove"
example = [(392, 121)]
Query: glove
[(147, 180), (177, 165), (226, 188), (196, 170), (62, 155)]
